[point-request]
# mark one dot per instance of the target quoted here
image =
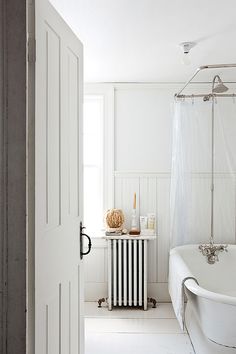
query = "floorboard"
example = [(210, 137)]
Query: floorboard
[(127, 331)]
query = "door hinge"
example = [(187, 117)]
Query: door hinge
[(31, 50)]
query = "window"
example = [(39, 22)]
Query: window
[(98, 157)]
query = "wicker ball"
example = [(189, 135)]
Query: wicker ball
[(114, 219)]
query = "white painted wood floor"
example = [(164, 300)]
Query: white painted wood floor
[(128, 331)]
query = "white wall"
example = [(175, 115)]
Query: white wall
[(143, 128), (142, 160)]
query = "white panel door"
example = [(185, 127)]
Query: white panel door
[(58, 175)]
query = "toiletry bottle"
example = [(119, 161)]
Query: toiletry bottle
[(151, 221)]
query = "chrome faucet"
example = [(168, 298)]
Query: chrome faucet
[(211, 251)]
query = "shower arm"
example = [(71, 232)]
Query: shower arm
[(205, 67)]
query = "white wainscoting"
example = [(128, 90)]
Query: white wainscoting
[(95, 271), (152, 196)]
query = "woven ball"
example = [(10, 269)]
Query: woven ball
[(114, 219)]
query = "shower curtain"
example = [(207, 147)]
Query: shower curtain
[(190, 204)]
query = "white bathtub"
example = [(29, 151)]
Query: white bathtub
[(210, 315)]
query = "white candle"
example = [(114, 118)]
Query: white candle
[(134, 206)]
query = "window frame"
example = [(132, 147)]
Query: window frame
[(107, 91)]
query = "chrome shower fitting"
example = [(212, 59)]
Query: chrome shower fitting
[(220, 87), (211, 251)]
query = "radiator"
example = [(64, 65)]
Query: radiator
[(127, 273)]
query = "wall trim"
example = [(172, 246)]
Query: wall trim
[(144, 84), (164, 174)]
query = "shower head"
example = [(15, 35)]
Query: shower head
[(220, 87)]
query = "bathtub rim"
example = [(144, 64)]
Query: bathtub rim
[(192, 285)]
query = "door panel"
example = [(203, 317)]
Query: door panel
[(58, 194), (73, 68), (53, 131)]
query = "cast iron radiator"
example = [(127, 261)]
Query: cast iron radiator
[(127, 273)]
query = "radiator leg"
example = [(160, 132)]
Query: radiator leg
[(145, 305), (100, 301), (153, 301), (109, 272)]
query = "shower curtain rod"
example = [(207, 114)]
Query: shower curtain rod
[(204, 67), (207, 95)]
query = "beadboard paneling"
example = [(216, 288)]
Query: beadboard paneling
[(96, 274), (163, 200), (153, 192), (124, 195), (148, 203), (153, 196), (225, 207)]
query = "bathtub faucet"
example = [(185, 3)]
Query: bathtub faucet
[(211, 251)]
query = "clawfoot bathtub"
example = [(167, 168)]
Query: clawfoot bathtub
[(210, 314)]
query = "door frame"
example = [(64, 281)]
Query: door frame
[(17, 176)]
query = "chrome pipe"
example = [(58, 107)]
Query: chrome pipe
[(218, 66), (216, 77), (211, 250), (204, 67), (212, 167), (188, 82), (210, 95)]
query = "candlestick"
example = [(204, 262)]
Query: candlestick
[(134, 206)]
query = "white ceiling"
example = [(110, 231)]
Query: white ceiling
[(137, 40)]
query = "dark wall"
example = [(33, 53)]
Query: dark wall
[(2, 177), (13, 176)]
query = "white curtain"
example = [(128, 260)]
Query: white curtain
[(191, 172)]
